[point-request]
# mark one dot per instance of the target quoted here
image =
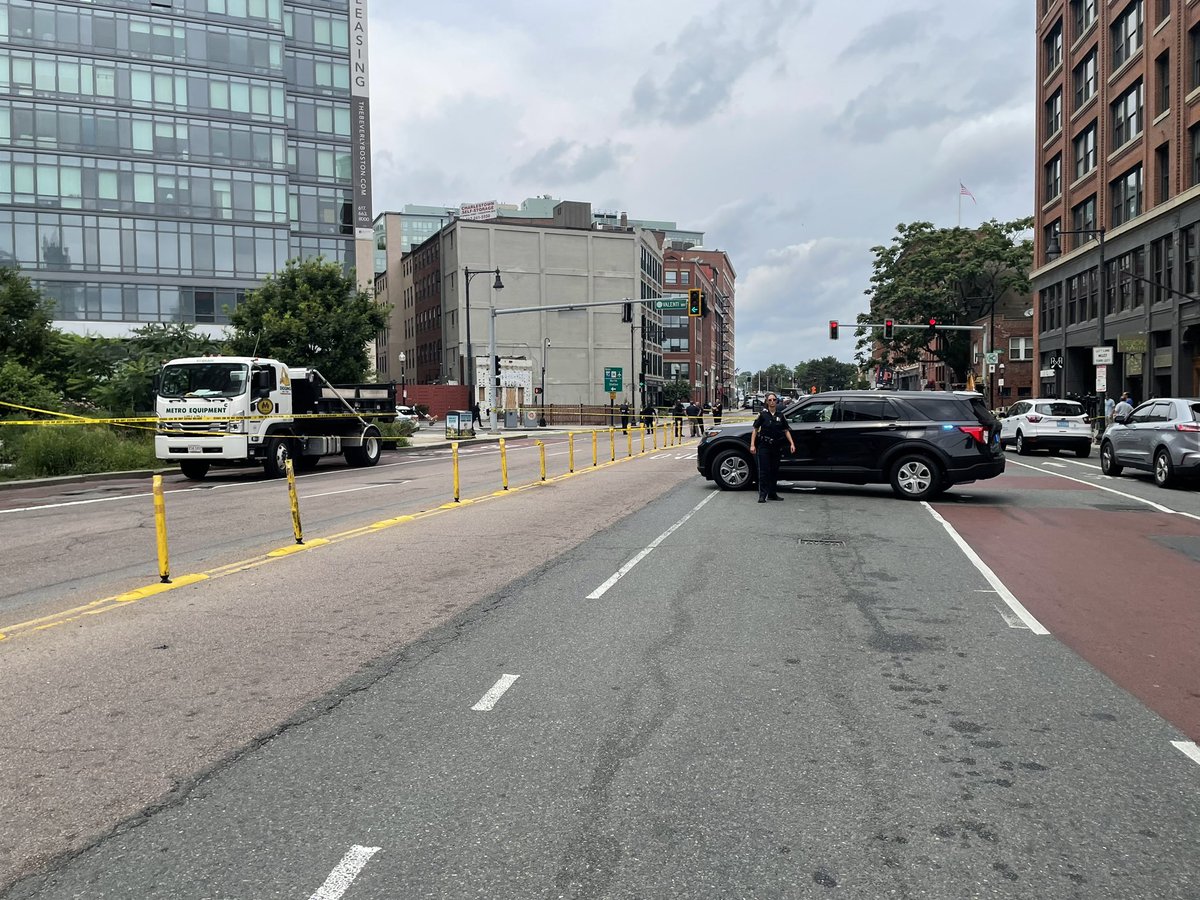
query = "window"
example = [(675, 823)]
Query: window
[(672, 276), (1020, 348), (1162, 83), (1083, 15), (1084, 78), (1127, 116), (1054, 114), (1162, 173), (1052, 47), (1187, 241), (1194, 139), (1127, 34), (1085, 151), (1127, 196), (817, 411), (1162, 266), (1054, 178), (1083, 218), (1162, 9), (1194, 47), (872, 410)]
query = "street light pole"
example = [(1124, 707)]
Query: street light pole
[(498, 285), (403, 386), (545, 350)]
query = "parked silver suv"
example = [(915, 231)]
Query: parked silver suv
[(1160, 436)]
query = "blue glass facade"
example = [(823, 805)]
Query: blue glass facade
[(160, 157)]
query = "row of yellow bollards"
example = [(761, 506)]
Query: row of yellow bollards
[(668, 438)]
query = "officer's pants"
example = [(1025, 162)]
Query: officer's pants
[(768, 469)]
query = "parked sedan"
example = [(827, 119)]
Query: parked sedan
[(1047, 424), (1161, 436), (408, 414), (919, 442)]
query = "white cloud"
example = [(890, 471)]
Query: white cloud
[(796, 136)]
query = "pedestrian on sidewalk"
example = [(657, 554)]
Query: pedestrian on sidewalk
[(693, 414), (716, 411), (648, 416), (766, 443), (677, 412), (475, 415), (625, 416)]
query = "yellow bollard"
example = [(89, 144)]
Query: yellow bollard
[(654, 436), (629, 442), (454, 460), (642, 435), (503, 465), (160, 527), (594, 447), (542, 458), (612, 445), (571, 451), (291, 477)]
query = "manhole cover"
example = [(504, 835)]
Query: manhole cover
[(821, 542)]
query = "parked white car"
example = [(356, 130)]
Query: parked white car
[(408, 414), (1047, 424)]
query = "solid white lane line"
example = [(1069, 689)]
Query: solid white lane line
[(620, 573), (488, 700), (1056, 465), (1100, 487), (344, 873), (365, 487), (1188, 749), (1005, 594)]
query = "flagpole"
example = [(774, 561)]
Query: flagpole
[(960, 206)]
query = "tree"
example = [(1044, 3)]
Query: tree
[(676, 390), (129, 386), (954, 275), (25, 317), (311, 313)]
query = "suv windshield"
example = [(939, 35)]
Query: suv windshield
[(212, 379), (1060, 408)]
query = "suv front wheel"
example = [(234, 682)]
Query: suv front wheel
[(915, 478), (731, 470)]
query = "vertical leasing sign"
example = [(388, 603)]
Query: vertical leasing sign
[(360, 121)]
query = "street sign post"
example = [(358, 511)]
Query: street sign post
[(1102, 356), (613, 376), (1101, 378), (671, 304), (992, 357)]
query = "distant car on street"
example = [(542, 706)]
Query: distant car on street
[(1161, 436), (1047, 424), (408, 414), (919, 442)]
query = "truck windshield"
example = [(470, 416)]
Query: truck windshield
[(210, 379)]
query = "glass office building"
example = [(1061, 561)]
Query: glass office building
[(160, 157)]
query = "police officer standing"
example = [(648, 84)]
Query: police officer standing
[(766, 443)]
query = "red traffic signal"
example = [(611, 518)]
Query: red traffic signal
[(833, 329), (933, 322), (889, 329)]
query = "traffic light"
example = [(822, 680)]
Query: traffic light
[(627, 312), (496, 365), (833, 329), (695, 307), (641, 381), (931, 331), (704, 304), (889, 329)]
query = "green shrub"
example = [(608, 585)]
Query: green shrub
[(81, 449), (396, 434)]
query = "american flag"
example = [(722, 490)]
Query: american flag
[(963, 192)]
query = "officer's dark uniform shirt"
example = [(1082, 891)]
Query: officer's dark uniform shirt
[(771, 427)]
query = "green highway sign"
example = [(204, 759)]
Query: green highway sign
[(613, 376), (671, 303)]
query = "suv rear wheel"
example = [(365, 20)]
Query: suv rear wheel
[(731, 470), (915, 478)]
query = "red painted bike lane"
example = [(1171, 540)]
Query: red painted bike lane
[(1118, 585)]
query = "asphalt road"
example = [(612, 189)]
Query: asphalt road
[(628, 684)]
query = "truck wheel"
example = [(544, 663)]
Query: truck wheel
[(193, 470), (278, 453), (368, 453)]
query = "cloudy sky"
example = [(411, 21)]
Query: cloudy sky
[(796, 136)]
